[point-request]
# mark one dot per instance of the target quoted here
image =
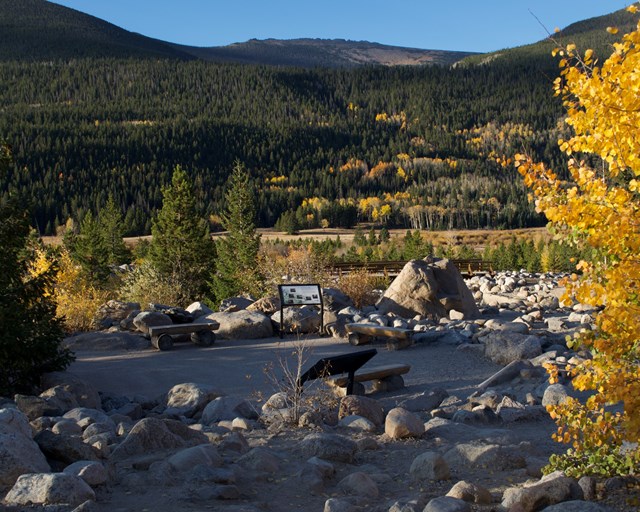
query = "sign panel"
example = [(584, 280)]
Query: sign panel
[(300, 294)]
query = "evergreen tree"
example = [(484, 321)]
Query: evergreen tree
[(288, 223), (111, 225), (88, 249), (31, 333), (416, 247), (384, 235), (372, 239), (181, 248), (237, 252), (358, 238)]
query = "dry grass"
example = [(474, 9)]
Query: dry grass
[(475, 238)]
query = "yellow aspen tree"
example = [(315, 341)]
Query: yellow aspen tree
[(600, 207)]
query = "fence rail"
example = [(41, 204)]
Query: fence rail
[(392, 268)]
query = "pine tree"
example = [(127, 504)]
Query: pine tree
[(237, 252), (111, 225), (181, 248), (88, 249), (31, 333)]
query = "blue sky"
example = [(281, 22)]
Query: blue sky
[(443, 25)]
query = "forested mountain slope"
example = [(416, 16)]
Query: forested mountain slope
[(590, 33), (405, 146)]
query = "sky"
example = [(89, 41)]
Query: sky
[(463, 25)]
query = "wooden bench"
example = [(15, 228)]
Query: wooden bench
[(375, 373), (361, 334), (201, 334)]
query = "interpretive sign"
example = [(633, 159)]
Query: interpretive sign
[(300, 295)]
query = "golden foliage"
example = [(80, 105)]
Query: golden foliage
[(600, 208), (280, 264), (76, 298)]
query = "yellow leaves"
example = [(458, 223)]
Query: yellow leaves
[(601, 210), (612, 30), (632, 9)]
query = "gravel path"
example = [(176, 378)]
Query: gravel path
[(238, 367)]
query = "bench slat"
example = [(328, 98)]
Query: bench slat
[(379, 330), (373, 373), (183, 328)]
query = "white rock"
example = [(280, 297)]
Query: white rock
[(49, 489)]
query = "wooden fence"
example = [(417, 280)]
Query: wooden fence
[(392, 268)]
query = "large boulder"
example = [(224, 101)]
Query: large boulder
[(153, 434), (49, 489), (235, 304), (227, 408), (113, 312), (92, 472), (429, 466), (64, 449), (238, 325), (482, 455), (19, 453), (299, 319), (362, 406), (266, 305), (84, 393), (428, 288), (176, 314), (335, 300), (401, 423), (190, 398), (332, 447), (198, 309), (148, 319), (101, 340), (504, 347), (551, 489)]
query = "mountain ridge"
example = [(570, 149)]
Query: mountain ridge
[(310, 52), (41, 30)]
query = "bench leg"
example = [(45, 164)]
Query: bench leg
[(355, 338), (392, 383), (203, 338), (162, 342), (398, 344), (358, 389)]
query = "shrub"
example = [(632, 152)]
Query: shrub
[(146, 284), (361, 286)]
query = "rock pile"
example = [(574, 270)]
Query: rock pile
[(73, 448)]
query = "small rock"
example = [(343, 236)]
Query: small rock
[(470, 492), (447, 504), (359, 484), (331, 447), (429, 466)]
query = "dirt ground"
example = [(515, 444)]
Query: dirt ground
[(237, 368)]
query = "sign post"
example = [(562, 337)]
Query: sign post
[(300, 295)]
